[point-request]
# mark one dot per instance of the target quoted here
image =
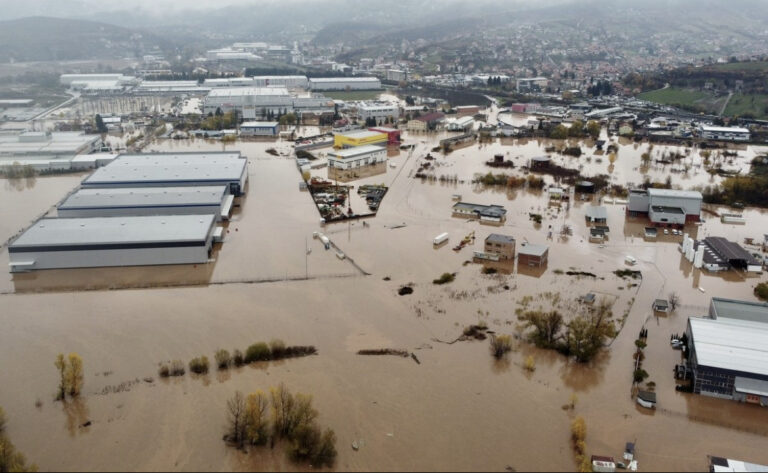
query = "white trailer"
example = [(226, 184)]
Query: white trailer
[(440, 239)]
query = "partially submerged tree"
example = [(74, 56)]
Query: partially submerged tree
[(70, 374), (236, 422), (256, 407)]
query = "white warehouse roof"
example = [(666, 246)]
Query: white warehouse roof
[(675, 193), (722, 129), (148, 169), (145, 197), (225, 92), (83, 232), (730, 344), (357, 151)]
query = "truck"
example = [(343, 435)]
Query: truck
[(440, 239)]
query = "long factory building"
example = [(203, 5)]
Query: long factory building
[(141, 209), (173, 170), (58, 243), (148, 201)]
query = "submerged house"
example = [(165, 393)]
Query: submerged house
[(490, 214)]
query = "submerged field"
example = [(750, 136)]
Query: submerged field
[(459, 409)]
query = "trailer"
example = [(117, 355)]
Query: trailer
[(440, 239)]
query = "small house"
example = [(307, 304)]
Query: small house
[(660, 305), (533, 255), (603, 464), (646, 399), (597, 215), (540, 162), (598, 234), (501, 245)]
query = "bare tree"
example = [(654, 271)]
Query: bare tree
[(674, 301), (236, 419)]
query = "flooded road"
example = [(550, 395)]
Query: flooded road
[(457, 410)]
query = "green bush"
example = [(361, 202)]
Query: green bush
[(501, 345), (761, 291), (237, 358), (223, 359), (258, 352), (444, 279), (199, 365), (277, 347), (177, 368), (640, 375)]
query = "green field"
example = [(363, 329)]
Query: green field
[(742, 66), (674, 96), (355, 95), (740, 105)]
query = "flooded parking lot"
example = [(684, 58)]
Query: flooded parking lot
[(459, 409)]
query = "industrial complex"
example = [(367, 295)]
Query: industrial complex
[(138, 210), (728, 351), (665, 207)]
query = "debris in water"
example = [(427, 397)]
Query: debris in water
[(405, 290), (385, 351)]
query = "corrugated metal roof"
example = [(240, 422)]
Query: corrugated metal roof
[(597, 213), (115, 230), (740, 310), (731, 344), (154, 168), (498, 238), (356, 151), (144, 197), (674, 193)]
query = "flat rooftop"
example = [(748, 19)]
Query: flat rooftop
[(62, 234), (167, 157), (225, 92), (529, 249), (358, 151), (259, 124), (598, 213), (344, 79), (675, 193), (361, 134), (498, 238), (731, 344), (145, 197), (741, 310), (148, 170), (668, 210)]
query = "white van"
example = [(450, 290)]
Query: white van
[(440, 239), (630, 260)]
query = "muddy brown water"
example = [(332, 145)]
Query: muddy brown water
[(458, 410)]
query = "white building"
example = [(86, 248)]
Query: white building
[(135, 202), (260, 128), (292, 82), (57, 243), (397, 75), (33, 145), (345, 83), (460, 124), (531, 83), (720, 133), (665, 206), (382, 112), (357, 157), (170, 87), (256, 102), (173, 170)]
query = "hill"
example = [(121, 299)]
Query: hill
[(57, 39)]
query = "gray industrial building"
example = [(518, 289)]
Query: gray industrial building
[(148, 201), (345, 83), (58, 243), (173, 170), (665, 207), (255, 102), (728, 351)]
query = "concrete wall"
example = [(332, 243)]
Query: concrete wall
[(109, 258)]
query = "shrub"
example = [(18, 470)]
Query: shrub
[(640, 375), (640, 344), (444, 279), (258, 352), (164, 371), (277, 347), (501, 345), (177, 368), (12, 460), (223, 360), (578, 430), (237, 358), (761, 291), (489, 270), (199, 365), (530, 364)]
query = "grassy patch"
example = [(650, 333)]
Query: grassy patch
[(741, 105), (675, 96)]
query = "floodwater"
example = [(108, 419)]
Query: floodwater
[(459, 409)]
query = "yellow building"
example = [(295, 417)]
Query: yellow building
[(359, 138)]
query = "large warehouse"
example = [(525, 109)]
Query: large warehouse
[(256, 102), (728, 351), (354, 163), (173, 170), (58, 243), (665, 207), (344, 83), (148, 201), (260, 128)]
